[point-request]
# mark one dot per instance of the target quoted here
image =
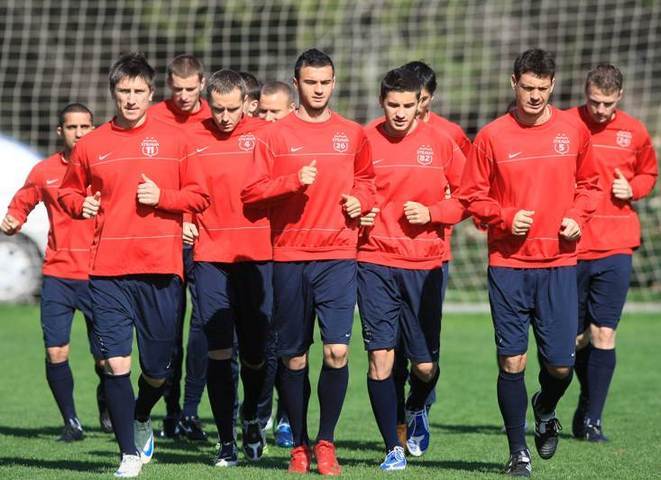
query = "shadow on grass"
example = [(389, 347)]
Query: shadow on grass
[(457, 465), (30, 432), (65, 464), (463, 429)]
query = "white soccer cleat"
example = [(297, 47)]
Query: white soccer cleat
[(129, 467), (144, 439)]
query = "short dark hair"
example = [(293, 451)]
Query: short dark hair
[(131, 65), (74, 108), (253, 86), (270, 88), (606, 77), (312, 58), (186, 65), (400, 80), (536, 61), (224, 81), (425, 73)]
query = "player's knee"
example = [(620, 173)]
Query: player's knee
[(118, 365), (154, 382), (224, 354), (513, 363), (336, 355), (252, 363), (602, 337), (558, 372), (57, 354), (582, 340), (295, 363), (380, 364), (425, 371)]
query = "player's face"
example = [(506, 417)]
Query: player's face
[(601, 106), (251, 107), (400, 110), (132, 97), (227, 109), (186, 92), (315, 86), (425, 102), (532, 93), (75, 126), (275, 106)]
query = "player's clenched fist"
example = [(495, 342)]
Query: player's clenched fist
[(569, 229), (10, 225), (308, 173), (621, 188), (522, 222), (416, 213), (351, 205), (148, 192), (91, 205), (190, 233), (368, 219)]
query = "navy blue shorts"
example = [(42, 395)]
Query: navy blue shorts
[(149, 303), (545, 297), (446, 279), (602, 290), (398, 303), (301, 290), (236, 296), (60, 298)]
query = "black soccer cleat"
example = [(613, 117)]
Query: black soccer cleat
[(170, 427), (191, 428), (594, 433), (546, 432), (253, 440), (578, 422), (226, 455), (519, 464), (72, 431)]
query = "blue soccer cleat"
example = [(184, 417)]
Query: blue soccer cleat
[(417, 432), (395, 460), (283, 435), (144, 439)]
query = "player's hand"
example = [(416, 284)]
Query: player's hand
[(91, 205), (190, 233), (368, 220), (148, 192), (522, 222), (10, 225), (351, 205), (569, 229), (308, 174), (621, 188), (416, 213)]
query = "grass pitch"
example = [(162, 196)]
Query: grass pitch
[(466, 438)]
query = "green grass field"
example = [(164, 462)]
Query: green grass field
[(466, 437)]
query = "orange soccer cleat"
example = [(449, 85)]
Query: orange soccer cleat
[(300, 459), (324, 452)]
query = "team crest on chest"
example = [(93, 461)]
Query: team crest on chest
[(561, 143), (425, 155), (149, 147), (623, 138), (340, 142), (247, 142)]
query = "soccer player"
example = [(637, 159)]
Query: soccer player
[(185, 108), (65, 283), (141, 177), (253, 87), (400, 257), (276, 101), (530, 177), (627, 167), (314, 170), (233, 265)]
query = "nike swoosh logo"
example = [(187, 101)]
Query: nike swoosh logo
[(374, 162), (51, 181), (295, 149), (103, 157), (514, 155), (200, 150)]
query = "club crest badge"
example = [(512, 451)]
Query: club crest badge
[(247, 142), (425, 155), (149, 147), (340, 143), (561, 144), (623, 138)]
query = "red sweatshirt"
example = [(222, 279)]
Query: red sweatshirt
[(308, 222), (167, 112), (547, 168), (229, 231), (621, 143), (69, 240), (417, 167), (131, 238)]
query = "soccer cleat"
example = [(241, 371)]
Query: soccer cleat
[(324, 452), (170, 428), (519, 464), (72, 431), (144, 439), (300, 460), (417, 432), (283, 435), (253, 440), (227, 455), (546, 432), (401, 434), (578, 422), (129, 467), (593, 433), (395, 460), (192, 429)]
